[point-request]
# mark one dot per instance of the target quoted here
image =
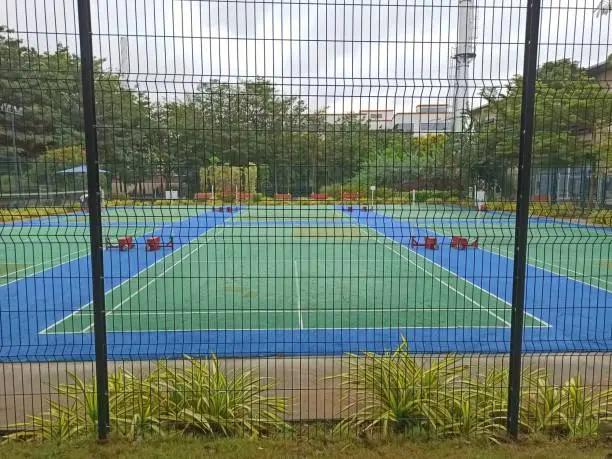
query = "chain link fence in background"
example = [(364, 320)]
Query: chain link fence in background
[(230, 217)]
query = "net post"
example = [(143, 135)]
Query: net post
[(95, 217), (522, 214)]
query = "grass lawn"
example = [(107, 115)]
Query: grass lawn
[(320, 447)]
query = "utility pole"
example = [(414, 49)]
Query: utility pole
[(14, 111)]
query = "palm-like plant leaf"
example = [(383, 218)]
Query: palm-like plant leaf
[(198, 397), (393, 392)]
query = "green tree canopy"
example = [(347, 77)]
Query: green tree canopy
[(570, 109)]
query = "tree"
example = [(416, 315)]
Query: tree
[(241, 123), (44, 88), (603, 8), (570, 109), (128, 131), (45, 170)]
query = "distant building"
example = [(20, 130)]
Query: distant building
[(378, 119), (154, 186), (426, 120), (333, 118), (602, 72)]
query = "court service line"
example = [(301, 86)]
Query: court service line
[(269, 330), (441, 281), (457, 276), (296, 276), (241, 261), (77, 311), (140, 313), (137, 292), (152, 281)]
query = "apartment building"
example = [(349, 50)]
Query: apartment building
[(427, 119)]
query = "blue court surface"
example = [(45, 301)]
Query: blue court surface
[(300, 280)]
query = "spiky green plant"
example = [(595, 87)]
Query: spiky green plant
[(570, 409), (541, 403), (583, 409), (473, 416), (58, 423), (484, 405), (135, 405), (393, 392), (132, 402), (201, 397)]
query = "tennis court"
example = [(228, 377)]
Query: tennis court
[(264, 280)]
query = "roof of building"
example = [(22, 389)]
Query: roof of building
[(381, 110), (424, 113), (600, 67)]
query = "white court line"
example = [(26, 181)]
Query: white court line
[(140, 313), (536, 260), (336, 329), (73, 313), (241, 261), (296, 276), (459, 277), (152, 281), (470, 299), (84, 251)]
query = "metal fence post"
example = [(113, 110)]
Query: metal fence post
[(95, 216), (522, 212)]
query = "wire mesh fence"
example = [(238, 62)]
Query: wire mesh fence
[(238, 217)]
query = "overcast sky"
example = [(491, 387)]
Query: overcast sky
[(346, 56)]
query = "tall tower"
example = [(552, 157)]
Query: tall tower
[(124, 63), (464, 54)]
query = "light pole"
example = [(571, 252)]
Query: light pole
[(13, 110), (373, 189)]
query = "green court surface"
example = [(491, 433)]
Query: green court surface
[(33, 246), (271, 276), (578, 252), (244, 282)]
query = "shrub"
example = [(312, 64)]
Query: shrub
[(198, 397), (571, 409), (226, 197), (392, 392), (26, 213), (155, 202), (337, 189), (388, 194), (553, 210), (431, 195), (133, 410), (202, 398), (600, 217)]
